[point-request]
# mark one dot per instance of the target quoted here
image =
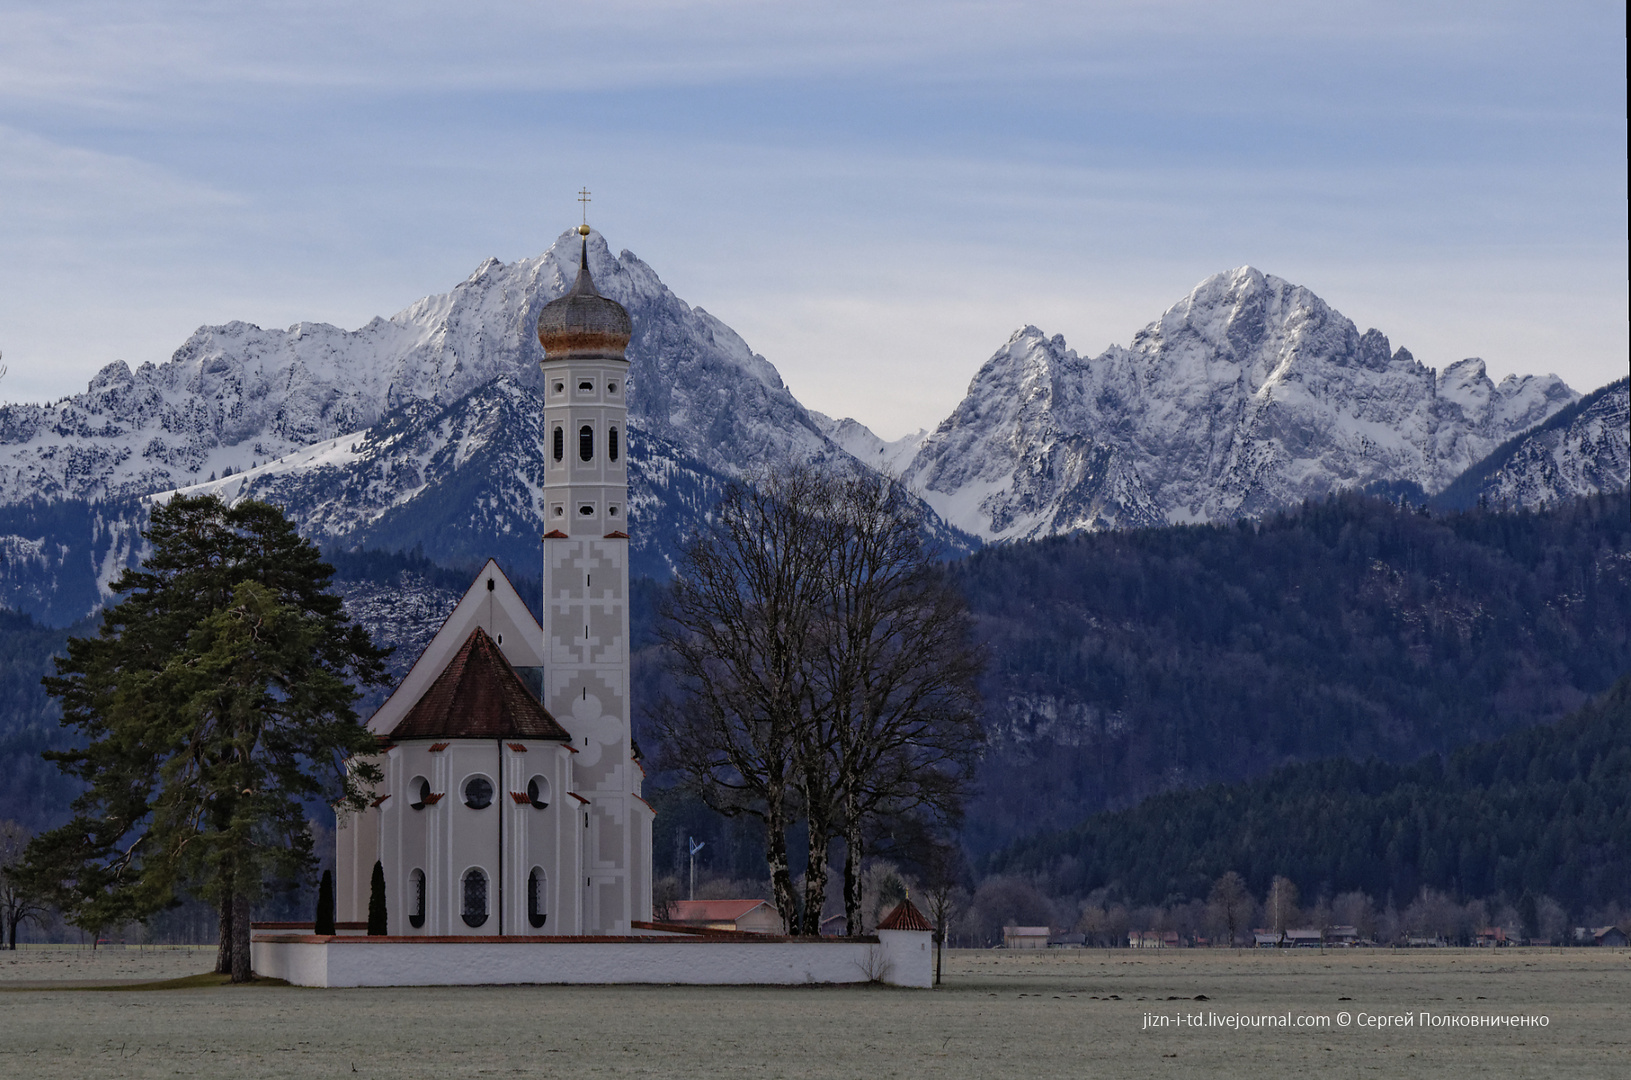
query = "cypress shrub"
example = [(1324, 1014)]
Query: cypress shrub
[(325, 904), (376, 902)]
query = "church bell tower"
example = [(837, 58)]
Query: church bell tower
[(586, 592)]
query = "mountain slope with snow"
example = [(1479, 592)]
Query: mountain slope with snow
[(1247, 396), (236, 396), (1581, 450)]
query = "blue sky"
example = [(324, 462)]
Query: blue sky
[(874, 195)]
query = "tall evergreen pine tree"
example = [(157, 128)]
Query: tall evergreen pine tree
[(214, 702)]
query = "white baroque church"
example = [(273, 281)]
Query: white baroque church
[(512, 803)]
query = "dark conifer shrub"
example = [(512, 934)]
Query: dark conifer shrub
[(376, 902), (325, 904)]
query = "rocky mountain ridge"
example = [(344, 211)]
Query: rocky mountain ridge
[(1247, 396), (420, 430)]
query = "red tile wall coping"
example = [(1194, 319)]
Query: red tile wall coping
[(305, 926), (584, 939)]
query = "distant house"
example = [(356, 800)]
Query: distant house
[(1026, 937), (1342, 937), (1491, 937), (742, 916), (1154, 939), (1304, 939), (1412, 941), (1067, 941), (1607, 936), (834, 926)]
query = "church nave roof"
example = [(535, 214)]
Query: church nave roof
[(478, 696)]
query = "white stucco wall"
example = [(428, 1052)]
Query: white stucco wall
[(899, 958)]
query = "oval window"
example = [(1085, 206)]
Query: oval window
[(416, 899), (558, 450), (536, 915), (474, 895), (611, 388), (586, 384), (560, 388), (538, 793), (478, 793), (419, 788), (611, 443), (586, 443)]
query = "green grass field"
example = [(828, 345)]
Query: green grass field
[(999, 1014)]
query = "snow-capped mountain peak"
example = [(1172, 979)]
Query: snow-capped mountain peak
[(1247, 395)]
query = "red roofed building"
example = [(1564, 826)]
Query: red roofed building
[(742, 916)]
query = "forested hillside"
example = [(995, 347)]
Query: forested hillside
[(1127, 664), (32, 791), (1541, 811)]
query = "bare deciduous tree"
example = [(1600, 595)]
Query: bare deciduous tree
[(1231, 901), (737, 625), (827, 671), (18, 902), (1281, 906)]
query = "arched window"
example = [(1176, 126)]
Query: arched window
[(416, 899), (538, 793), (478, 793), (586, 443), (558, 451), (611, 443), (474, 908), (536, 913), (419, 788)]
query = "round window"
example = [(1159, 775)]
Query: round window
[(478, 793), (419, 788), (538, 793)]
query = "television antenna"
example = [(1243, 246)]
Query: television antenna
[(695, 847)]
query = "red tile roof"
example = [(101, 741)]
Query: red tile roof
[(616, 534), (478, 696), (517, 747), (520, 796), (905, 917), (695, 911)]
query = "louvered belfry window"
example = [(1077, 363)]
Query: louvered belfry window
[(474, 909), (611, 443), (416, 912), (535, 898), (586, 443), (558, 451)]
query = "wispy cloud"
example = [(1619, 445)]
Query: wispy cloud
[(852, 185)]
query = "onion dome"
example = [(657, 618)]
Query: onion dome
[(583, 322)]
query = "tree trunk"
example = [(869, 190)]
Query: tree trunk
[(223, 951), (852, 873), (815, 875), (240, 937), (781, 879)]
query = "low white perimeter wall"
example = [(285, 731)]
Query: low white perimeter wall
[(899, 958)]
